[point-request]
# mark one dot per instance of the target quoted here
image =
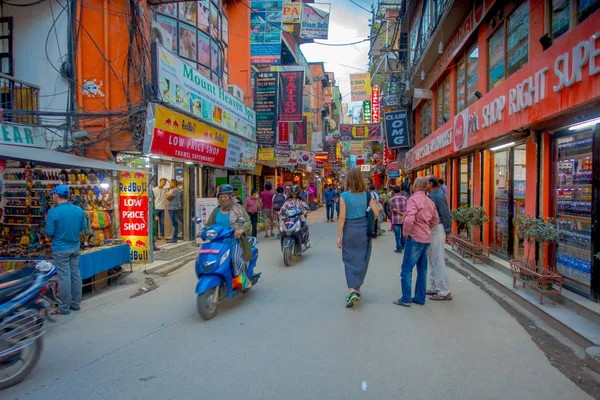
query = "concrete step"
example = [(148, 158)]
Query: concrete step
[(171, 251)]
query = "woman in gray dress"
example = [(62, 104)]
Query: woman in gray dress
[(352, 233)]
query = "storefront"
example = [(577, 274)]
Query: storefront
[(529, 146), (113, 197)]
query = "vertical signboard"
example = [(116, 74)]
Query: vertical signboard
[(366, 106), (315, 21), (283, 133), (291, 84), (396, 129), (134, 216), (360, 87), (300, 138), (265, 104), (375, 104), (265, 31), (307, 121)]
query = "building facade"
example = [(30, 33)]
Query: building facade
[(505, 106)]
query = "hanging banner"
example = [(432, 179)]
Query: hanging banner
[(182, 86), (396, 129), (300, 136), (366, 108), (315, 21), (360, 132), (134, 217), (292, 12), (375, 104), (360, 87), (241, 154), (265, 31), (305, 157), (173, 134), (265, 104), (283, 133), (307, 122), (266, 154), (291, 84)]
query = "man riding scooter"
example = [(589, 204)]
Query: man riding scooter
[(295, 200), (226, 214)]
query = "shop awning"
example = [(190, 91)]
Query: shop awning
[(57, 159)]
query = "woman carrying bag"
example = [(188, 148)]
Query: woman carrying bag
[(358, 212)]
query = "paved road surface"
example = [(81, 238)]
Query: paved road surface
[(291, 338)]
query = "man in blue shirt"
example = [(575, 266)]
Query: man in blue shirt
[(64, 223), (329, 194)]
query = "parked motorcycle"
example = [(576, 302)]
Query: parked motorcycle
[(214, 268), (24, 295), (293, 235)]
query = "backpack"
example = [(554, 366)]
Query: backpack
[(371, 222), (278, 201)]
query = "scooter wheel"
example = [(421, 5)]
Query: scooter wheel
[(287, 256), (207, 304)]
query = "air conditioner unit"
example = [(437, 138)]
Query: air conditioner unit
[(236, 92)]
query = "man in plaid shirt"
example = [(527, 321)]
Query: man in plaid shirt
[(398, 211)]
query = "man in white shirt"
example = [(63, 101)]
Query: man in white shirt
[(160, 204)]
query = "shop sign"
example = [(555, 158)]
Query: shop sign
[(266, 154), (360, 87), (307, 121), (182, 86), (300, 133), (265, 103), (396, 129), (241, 154), (566, 76), (283, 151), (356, 148), (315, 22), (317, 141), (205, 207), (265, 31), (177, 135), (360, 131), (283, 133), (135, 222), (366, 109), (291, 84), (393, 174), (21, 135), (375, 104), (331, 156), (291, 12), (237, 182)]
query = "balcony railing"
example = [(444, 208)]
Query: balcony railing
[(425, 28), (16, 96)]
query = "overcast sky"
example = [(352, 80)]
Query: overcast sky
[(348, 23)]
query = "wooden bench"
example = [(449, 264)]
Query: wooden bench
[(537, 278), (465, 247)]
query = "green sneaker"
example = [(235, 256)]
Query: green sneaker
[(352, 299)]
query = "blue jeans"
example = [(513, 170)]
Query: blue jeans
[(415, 253), (175, 222), (329, 212), (337, 209), (161, 223), (399, 237), (69, 277)]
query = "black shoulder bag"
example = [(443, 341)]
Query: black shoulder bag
[(371, 223)]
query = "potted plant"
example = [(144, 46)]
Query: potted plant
[(460, 216), (476, 216), (535, 230)]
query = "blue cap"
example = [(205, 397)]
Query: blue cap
[(61, 190)]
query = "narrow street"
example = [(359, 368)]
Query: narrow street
[(292, 338)]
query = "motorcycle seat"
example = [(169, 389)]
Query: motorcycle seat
[(10, 279)]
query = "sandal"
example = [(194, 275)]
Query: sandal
[(266, 236), (401, 303), (430, 293), (441, 298)]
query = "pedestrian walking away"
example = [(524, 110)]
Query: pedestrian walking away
[(438, 278), (278, 201), (352, 233), (397, 212), (329, 196), (173, 208), (421, 216), (266, 208), (64, 224), (251, 207)]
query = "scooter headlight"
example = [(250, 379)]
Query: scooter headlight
[(211, 234), (298, 226), (291, 212), (224, 257)]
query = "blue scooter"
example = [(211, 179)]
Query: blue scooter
[(213, 268)]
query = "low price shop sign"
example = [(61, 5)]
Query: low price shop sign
[(134, 215)]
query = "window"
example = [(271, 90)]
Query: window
[(467, 78), (508, 47), (586, 8), (443, 102), (560, 17), (425, 120)]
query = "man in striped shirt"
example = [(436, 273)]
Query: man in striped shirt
[(397, 213)]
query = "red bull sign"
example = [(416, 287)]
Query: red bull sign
[(135, 220)]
